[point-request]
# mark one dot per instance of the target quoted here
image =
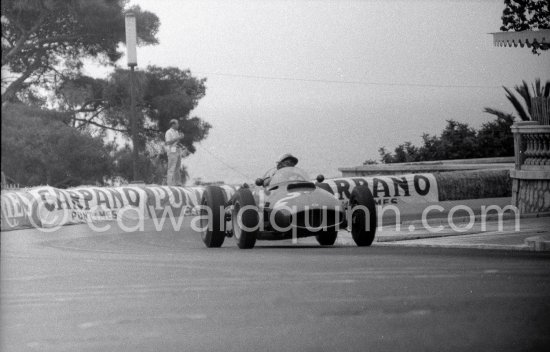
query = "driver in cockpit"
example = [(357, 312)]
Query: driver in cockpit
[(285, 160)]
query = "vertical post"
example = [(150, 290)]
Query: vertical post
[(133, 123), (131, 43), (517, 146)]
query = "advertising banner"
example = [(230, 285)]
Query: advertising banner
[(17, 208), (397, 190), (49, 207), (55, 207), (163, 201)]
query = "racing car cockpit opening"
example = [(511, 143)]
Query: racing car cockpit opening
[(289, 175)]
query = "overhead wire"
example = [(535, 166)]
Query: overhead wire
[(297, 79), (390, 84), (224, 163)]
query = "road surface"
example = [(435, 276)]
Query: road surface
[(78, 290)]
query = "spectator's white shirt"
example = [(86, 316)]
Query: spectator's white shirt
[(172, 134)]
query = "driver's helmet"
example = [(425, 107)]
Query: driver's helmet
[(286, 160)]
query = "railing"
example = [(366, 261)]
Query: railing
[(532, 145), (8, 183), (10, 187)]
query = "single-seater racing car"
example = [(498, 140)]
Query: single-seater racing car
[(286, 205)]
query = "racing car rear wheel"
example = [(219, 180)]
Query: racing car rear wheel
[(363, 216), (327, 238), (212, 220), (245, 218)]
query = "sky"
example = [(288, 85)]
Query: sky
[(331, 81)]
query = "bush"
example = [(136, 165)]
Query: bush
[(458, 141), (151, 169), (39, 148)]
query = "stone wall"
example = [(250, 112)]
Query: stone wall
[(531, 196), (437, 166)]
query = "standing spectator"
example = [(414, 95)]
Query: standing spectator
[(173, 149)]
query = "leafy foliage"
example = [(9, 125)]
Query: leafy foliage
[(43, 45), (521, 15), (40, 37), (457, 141), (520, 97), (152, 167), (162, 94), (39, 148), (495, 137)]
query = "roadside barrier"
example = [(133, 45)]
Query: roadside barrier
[(49, 207), (52, 207)]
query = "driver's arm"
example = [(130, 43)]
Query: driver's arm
[(267, 179)]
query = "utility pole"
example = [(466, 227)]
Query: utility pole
[(131, 38)]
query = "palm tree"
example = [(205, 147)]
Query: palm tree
[(523, 104)]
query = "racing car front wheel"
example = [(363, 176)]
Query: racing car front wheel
[(327, 238), (363, 216), (212, 214), (245, 218)]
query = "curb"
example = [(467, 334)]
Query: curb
[(489, 217), (345, 241), (533, 241), (457, 246)]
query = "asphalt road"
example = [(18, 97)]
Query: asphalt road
[(77, 290)]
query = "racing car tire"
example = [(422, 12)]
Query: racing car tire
[(363, 236), (327, 238), (214, 198), (250, 219)]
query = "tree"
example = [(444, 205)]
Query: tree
[(403, 153), (162, 94), (153, 166), (370, 162), (39, 148), (42, 37), (521, 15), (457, 141), (495, 138), (523, 104)]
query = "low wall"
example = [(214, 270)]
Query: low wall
[(474, 184), (437, 166)]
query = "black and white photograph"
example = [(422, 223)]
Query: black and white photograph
[(275, 175)]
